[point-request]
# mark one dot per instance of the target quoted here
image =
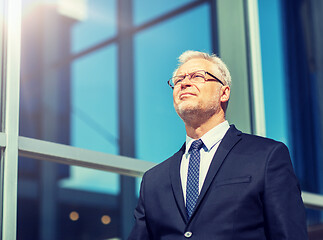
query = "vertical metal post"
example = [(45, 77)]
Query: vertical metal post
[(214, 27), (126, 111), (12, 78), (2, 100), (2, 55), (233, 50), (255, 67)]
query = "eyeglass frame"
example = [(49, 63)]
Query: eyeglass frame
[(189, 74)]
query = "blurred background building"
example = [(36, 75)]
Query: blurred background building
[(89, 81)]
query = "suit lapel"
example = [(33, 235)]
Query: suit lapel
[(230, 139), (176, 181)]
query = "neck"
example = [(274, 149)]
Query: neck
[(197, 129)]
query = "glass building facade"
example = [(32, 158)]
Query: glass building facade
[(86, 109)]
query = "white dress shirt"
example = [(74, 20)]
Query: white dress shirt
[(211, 141)]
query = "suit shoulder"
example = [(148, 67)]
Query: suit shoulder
[(259, 140), (256, 144), (254, 140)]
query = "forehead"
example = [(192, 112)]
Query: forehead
[(196, 64)]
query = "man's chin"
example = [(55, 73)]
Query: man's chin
[(186, 109)]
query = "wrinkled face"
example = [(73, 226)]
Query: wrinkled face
[(198, 98)]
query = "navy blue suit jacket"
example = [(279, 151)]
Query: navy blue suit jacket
[(250, 192)]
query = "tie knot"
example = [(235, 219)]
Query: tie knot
[(196, 145)]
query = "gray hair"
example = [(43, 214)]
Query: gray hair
[(219, 64)]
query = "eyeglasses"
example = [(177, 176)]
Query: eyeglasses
[(195, 77)]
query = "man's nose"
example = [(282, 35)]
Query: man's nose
[(186, 80)]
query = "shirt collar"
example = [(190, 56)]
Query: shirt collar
[(211, 138)]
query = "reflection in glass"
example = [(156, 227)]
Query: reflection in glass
[(53, 206), (91, 180), (315, 223), (94, 113), (145, 10), (98, 24), (63, 98), (271, 36)]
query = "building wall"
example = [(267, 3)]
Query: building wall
[(94, 76)]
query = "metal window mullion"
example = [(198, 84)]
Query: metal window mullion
[(253, 38), (64, 154), (313, 200), (3, 140), (12, 75)]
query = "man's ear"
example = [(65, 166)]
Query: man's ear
[(225, 94)]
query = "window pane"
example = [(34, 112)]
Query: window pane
[(315, 223), (159, 131), (94, 113), (84, 204), (98, 25), (145, 10), (274, 78), (63, 98)]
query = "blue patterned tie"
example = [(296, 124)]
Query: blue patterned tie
[(192, 187)]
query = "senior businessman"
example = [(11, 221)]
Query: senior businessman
[(222, 184)]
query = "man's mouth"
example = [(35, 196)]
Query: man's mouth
[(186, 94)]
